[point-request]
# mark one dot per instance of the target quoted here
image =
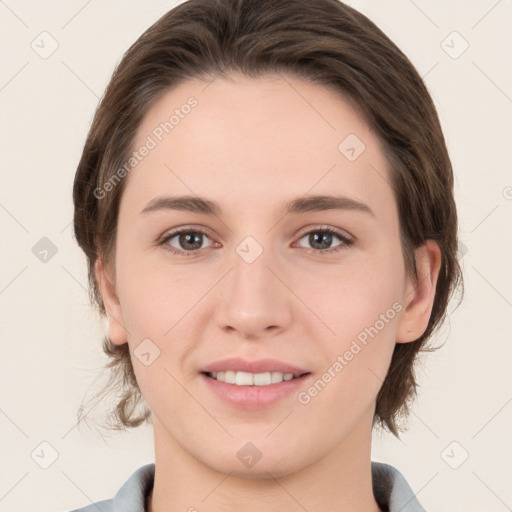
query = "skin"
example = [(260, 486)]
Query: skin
[(250, 145)]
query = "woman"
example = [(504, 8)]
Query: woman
[(265, 200)]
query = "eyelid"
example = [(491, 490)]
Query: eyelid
[(326, 227), (186, 228)]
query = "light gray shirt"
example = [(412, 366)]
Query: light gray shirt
[(390, 489)]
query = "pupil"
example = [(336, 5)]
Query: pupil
[(324, 237), (191, 241)]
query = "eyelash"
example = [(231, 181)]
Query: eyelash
[(331, 231)]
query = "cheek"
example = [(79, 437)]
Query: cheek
[(156, 307), (352, 295), (160, 307), (360, 305), (362, 311), (155, 297)]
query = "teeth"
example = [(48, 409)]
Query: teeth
[(251, 379)]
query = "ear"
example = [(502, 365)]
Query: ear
[(419, 294), (116, 330)]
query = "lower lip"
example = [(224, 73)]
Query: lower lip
[(254, 397)]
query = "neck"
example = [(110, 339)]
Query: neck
[(339, 479)]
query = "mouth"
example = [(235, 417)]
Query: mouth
[(253, 383), (240, 378), (254, 391)]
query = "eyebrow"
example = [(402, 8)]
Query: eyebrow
[(311, 203)]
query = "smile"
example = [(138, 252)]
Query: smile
[(252, 379)]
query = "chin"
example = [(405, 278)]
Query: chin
[(245, 460)]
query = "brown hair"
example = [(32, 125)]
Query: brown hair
[(325, 42)]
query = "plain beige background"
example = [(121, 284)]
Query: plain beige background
[(458, 451)]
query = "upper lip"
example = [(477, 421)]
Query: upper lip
[(238, 364)]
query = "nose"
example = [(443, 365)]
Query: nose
[(254, 300)]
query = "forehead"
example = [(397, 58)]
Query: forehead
[(256, 137)]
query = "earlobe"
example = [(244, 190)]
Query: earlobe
[(419, 295), (115, 323)]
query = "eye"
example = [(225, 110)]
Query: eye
[(188, 241), (321, 240)]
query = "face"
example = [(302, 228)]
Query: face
[(262, 270)]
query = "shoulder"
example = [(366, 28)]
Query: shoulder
[(104, 506), (391, 490), (131, 497)]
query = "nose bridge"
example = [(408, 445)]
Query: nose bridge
[(251, 276), (254, 299)]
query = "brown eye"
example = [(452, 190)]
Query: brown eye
[(321, 240), (187, 241)]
